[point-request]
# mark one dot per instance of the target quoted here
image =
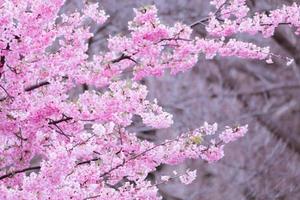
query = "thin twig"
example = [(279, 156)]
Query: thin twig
[(7, 93), (64, 119)]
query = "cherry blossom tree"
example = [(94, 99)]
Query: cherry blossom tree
[(85, 147)]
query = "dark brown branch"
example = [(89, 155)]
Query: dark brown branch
[(33, 87), (56, 122), (64, 119), (123, 57), (14, 70), (283, 23), (2, 61), (92, 197), (19, 136), (7, 94), (88, 161), (11, 174), (174, 39), (60, 131)]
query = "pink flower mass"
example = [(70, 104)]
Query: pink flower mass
[(44, 56)]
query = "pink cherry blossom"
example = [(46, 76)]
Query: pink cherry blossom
[(82, 140), (189, 177), (232, 134), (213, 154)]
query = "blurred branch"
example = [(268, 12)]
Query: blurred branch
[(33, 87), (266, 89)]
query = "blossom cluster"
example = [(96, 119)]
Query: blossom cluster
[(233, 19), (82, 141)]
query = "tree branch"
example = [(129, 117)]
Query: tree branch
[(11, 174), (64, 119), (33, 87), (123, 57)]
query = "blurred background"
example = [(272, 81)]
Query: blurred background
[(266, 163)]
